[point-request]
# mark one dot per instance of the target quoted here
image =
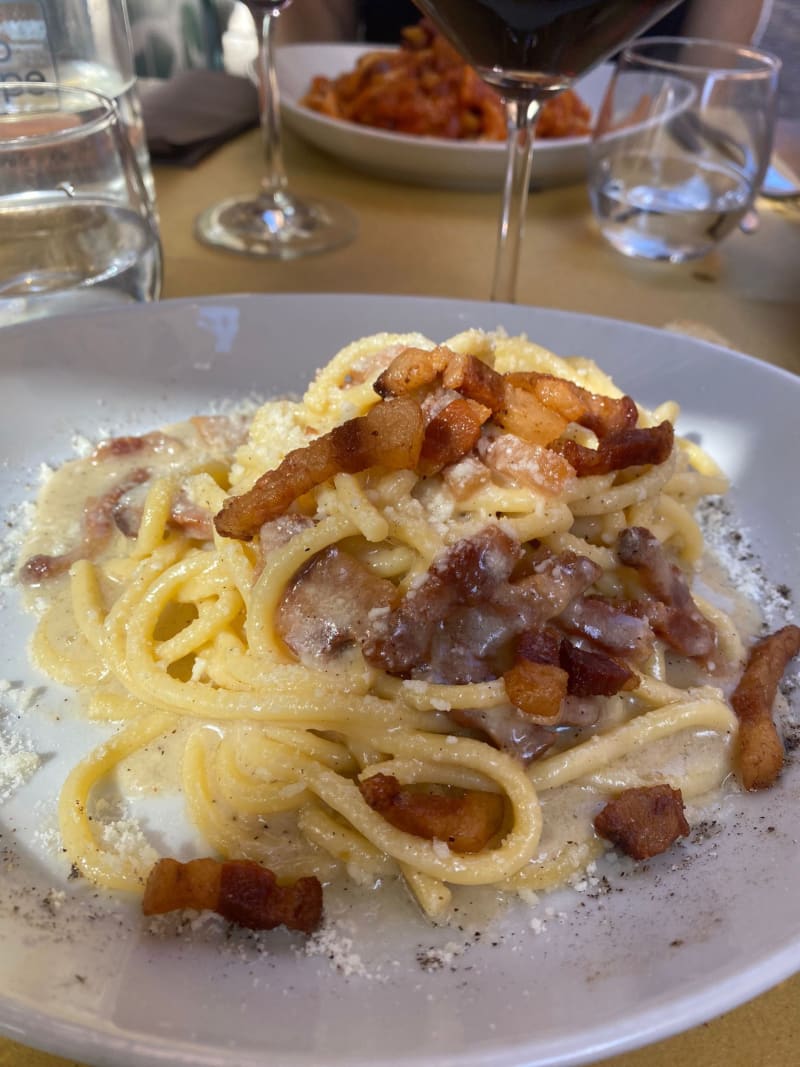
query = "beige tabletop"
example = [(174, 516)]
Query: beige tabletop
[(438, 243)]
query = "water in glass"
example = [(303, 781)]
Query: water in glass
[(77, 223), (681, 145), (61, 255), (672, 212)]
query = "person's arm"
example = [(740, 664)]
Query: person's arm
[(725, 20), (318, 20)]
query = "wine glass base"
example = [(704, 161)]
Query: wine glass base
[(276, 225)]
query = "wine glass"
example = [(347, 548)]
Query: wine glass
[(274, 222), (531, 50)]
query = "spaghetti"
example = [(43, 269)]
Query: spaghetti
[(371, 653)]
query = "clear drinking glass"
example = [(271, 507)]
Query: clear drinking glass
[(530, 50), (274, 222), (76, 220), (681, 145), (83, 43)]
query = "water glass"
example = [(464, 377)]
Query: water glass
[(681, 145), (76, 220), (83, 43)]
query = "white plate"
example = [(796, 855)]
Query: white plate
[(421, 160), (691, 934)]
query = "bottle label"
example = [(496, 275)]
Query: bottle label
[(25, 53)]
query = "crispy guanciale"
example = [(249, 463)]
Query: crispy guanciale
[(629, 447), (554, 684), (538, 689), (98, 522), (603, 415), (670, 609), (472, 377), (389, 435), (537, 407), (241, 891), (759, 749), (465, 820), (518, 411), (589, 673), (451, 433), (643, 821), (532, 409), (411, 369), (593, 673)]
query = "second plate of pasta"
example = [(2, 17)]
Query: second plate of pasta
[(420, 160)]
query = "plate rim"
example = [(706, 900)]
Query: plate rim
[(253, 296), (135, 1049)]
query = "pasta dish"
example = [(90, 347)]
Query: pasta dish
[(425, 88), (436, 622)]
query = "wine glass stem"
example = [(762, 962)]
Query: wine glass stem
[(521, 125), (274, 179)]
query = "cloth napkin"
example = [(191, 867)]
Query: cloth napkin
[(186, 117)]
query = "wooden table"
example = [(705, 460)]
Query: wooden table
[(439, 243)]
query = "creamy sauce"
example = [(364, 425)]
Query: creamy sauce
[(154, 769), (702, 757), (179, 450)]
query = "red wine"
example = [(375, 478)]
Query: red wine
[(544, 43)]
